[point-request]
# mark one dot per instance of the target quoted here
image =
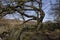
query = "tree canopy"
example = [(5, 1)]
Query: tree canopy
[(20, 7)]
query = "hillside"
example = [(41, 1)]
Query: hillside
[(11, 23)]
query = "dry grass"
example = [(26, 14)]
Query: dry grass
[(49, 31)]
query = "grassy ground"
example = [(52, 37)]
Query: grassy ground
[(12, 30)]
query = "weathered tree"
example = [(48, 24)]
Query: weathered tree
[(10, 8)]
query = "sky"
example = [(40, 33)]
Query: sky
[(50, 15)]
